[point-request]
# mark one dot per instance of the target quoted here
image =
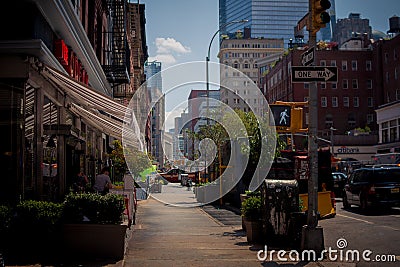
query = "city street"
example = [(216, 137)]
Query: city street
[(376, 231)]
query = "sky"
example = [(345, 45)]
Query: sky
[(179, 31)]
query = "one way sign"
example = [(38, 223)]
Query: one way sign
[(314, 74)]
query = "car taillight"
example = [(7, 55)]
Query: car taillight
[(333, 200), (371, 190)]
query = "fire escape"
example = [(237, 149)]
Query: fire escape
[(116, 51)]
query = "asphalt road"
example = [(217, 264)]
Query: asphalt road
[(377, 231)]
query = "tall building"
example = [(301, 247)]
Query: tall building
[(267, 19), (350, 27), (244, 55), (154, 87)]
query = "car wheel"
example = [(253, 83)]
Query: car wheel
[(346, 204)]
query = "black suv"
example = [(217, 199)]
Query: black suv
[(372, 187)]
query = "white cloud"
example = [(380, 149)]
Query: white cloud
[(170, 45), (166, 59)]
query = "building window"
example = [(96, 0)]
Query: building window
[(334, 102), (370, 118), (306, 86), (368, 65), (386, 58), (333, 63), (323, 102), (370, 102), (346, 101), (345, 84), (356, 102), (334, 85), (354, 83), (322, 63), (395, 74), (387, 77), (323, 85), (354, 65), (351, 120), (397, 94), (344, 65), (369, 84)]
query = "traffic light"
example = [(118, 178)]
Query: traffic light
[(319, 15), (288, 116), (296, 119), (282, 115)]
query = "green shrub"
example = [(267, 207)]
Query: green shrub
[(41, 213), (5, 217), (251, 208), (253, 193), (93, 208)]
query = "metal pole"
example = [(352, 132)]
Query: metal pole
[(312, 235), (312, 219), (207, 75)]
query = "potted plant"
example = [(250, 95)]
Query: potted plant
[(94, 225), (251, 213)]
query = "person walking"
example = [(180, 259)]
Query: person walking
[(103, 183)]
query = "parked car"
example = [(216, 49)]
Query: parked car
[(339, 180), (174, 175), (373, 187)]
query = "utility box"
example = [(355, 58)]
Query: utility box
[(280, 211)]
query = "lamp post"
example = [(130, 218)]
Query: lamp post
[(208, 58), (207, 74)]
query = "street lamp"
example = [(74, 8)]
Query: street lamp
[(208, 59), (207, 76)]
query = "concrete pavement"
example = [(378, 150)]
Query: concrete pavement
[(166, 235)]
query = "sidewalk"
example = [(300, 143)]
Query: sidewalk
[(166, 235), (171, 236)]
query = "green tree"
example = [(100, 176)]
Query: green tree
[(122, 158)]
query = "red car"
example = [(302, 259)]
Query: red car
[(174, 175)]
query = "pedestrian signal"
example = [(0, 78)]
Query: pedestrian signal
[(281, 115)]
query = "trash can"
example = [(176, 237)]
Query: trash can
[(280, 211)]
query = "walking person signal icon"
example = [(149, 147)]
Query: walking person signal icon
[(281, 115)]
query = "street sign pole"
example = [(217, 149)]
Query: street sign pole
[(312, 235)]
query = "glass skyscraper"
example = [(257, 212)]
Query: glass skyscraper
[(267, 18)]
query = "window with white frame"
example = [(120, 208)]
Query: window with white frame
[(333, 63), (346, 101), (370, 118), (323, 102), (345, 84), (397, 94), (306, 86), (354, 65), (368, 65), (344, 65), (334, 101), (369, 84), (323, 85), (322, 62), (356, 101), (334, 85), (354, 83), (370, 102)]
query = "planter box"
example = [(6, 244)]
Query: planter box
[(253, 230), (95, 240)]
